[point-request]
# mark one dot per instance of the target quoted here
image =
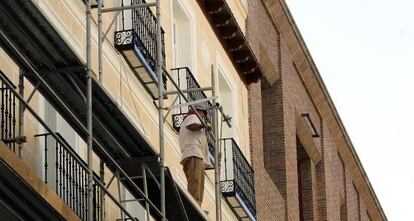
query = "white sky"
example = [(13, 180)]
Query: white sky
[(364, 52)]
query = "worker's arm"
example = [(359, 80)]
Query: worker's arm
[(194, 126), (193, 123)]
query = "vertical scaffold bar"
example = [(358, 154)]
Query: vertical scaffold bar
[(89, 110), (144, 179), (160, 109), (21, 112), (216, 145), (118, 178), (102, 194), (100, 40), (100, 74)]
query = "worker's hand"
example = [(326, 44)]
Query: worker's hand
[(208, 126)]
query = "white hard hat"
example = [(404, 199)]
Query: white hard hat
[(200, 106)]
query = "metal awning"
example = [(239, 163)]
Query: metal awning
[(234, 42)]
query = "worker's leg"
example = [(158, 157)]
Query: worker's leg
[(194, 171), (200, 169)]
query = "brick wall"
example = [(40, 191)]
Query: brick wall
[(269, 201), (352, 200), (363, 212), (330, 194)]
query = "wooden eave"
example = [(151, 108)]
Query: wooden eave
[(283, 20), (231, 37)]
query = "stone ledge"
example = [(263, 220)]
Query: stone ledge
[(31, 178)]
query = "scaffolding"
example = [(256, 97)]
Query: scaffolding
[(145, 169), (162, 94), (97, 189)]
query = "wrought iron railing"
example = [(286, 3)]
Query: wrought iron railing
[(185, 80), (237, 179), (66, 172), (8, 116), (137, 27), (63, 169)]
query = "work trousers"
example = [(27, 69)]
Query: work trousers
[(194, 171)]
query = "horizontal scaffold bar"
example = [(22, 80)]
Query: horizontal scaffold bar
[(189, 90), (121, 8), (190, 103)]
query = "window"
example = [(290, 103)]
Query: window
[(226, 100), (358, 201), (48, 150), (182, 37), (304, 169), (182, 47), (343, 210), (343, 195)]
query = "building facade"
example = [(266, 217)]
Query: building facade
[(304, 162), (285, 155)]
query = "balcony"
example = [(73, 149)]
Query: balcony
[(185, 80), (67, 174), (136, 40), (63, 170), (237, 181)]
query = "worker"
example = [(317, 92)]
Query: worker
[(194, 150)]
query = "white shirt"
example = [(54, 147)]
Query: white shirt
[(193, 143)]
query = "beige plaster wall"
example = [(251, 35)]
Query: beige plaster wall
[(68, 17)]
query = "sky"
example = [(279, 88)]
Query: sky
[(364, 51)]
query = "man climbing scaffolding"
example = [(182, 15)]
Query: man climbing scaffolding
[(194, 151)]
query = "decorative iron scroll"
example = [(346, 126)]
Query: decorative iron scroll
[(227, 186), (177, 120), (124, 37)]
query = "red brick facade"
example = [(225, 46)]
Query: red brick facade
[(292, 182)]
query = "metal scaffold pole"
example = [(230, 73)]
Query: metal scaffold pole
[(21, 113), (102, 195), (160, 108), (89, 110), (100, 40), (216, 145), (100, 74)]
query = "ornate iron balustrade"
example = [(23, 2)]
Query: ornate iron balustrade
[(61, 163), (67, 173), (137, 35), (237, 180), (185, 80), (8, 116)]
